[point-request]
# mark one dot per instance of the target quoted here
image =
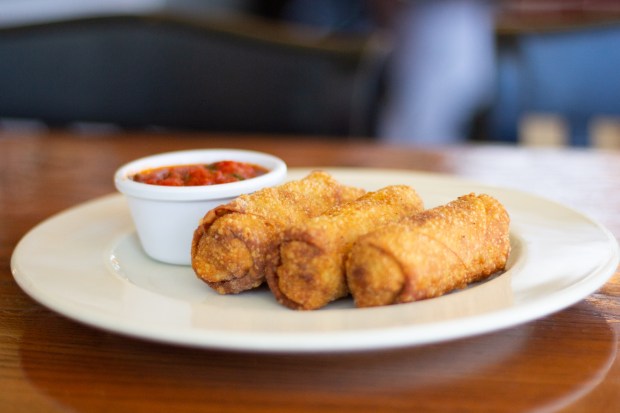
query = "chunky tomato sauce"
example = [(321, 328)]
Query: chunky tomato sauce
[(200, 174)]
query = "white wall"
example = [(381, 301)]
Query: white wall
[(17, 12)]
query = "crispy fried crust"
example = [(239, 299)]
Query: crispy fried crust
[(235, 243), (430, 254), (311, 271)]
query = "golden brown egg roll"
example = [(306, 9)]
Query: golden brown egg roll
[(432, 253), (311, 270), (234, 243)]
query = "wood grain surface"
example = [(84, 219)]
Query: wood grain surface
[(564, 362)]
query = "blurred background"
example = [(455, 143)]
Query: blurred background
[(417, 72)]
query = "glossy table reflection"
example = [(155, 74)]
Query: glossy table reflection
[(563, 362)]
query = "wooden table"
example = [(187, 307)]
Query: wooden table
[(564, 362)]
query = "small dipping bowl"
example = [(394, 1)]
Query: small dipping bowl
[(165, 217)]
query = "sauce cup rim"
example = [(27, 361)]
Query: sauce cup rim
[(127, 186)]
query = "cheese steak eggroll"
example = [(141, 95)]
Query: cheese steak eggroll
[(431, 253), (234, 243), (311, 271)]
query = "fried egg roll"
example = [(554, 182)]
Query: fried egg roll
[(430, 254), (234, 243), (311, 270)]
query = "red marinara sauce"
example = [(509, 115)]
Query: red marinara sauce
[(200, 174)]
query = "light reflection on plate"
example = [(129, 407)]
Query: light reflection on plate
[(87, 264)]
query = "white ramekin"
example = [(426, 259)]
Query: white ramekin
[(166, 216)]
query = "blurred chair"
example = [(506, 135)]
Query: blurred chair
[(178, 73), (559, 81)]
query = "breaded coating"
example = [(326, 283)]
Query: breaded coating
[(235, 243), (311, 271), (431, 253)]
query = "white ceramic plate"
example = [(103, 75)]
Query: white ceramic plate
[(87, 264)]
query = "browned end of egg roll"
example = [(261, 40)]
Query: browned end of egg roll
[(234, 243), (311, 269), (430, 254)]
